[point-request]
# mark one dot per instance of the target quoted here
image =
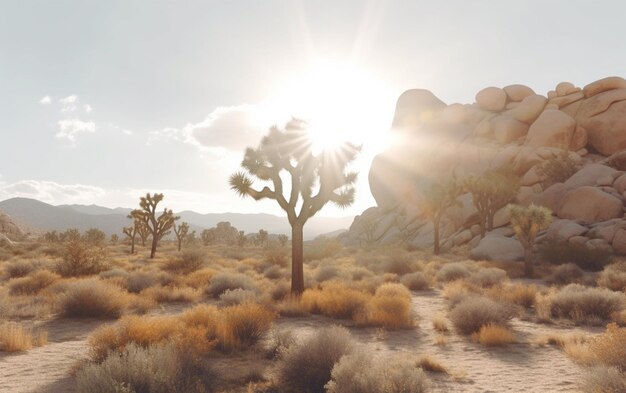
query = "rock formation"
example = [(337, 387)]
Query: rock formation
[(510, 127), (8, 228)]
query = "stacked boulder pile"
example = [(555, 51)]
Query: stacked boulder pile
[(9, 230), (513, 128)]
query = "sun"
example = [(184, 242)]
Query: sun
[(341, 102)]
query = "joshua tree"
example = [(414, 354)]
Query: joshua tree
[(114, 238), (368, 228), (241, 239), (158, 226), (315, 179), (208, 236), (435, 200), (181, 232), (283, 239), (142, 229), (491, 192), (262, 236), (527, 222), (131, 233)]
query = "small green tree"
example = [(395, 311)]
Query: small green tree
[(491, 192), (181, 232), (434, 202), (158, 225), (315, 178), (527, 222)]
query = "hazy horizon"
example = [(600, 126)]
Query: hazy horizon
[(103, 102)]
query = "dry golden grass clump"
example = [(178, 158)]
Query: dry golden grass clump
[(15, 338), (600, 379), (81, 259), (440, 324), (335, 300), (566, 273), (390, 307), (416, 281), (187, 262), (474, 312), (431, 364), (33, 283), (93, 298), (610, 347), (585, 304), (493, 335), (520, 294), (453, 271), (169, 294), (222, 282), (488, 277), (613, 277)]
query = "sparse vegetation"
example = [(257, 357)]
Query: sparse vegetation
[(585, 304), (474, 312), (527, 222), (93, 298)]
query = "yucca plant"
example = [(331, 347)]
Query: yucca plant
[(286, 155), (158, 226), (181, 231), (434, 202), (527, 222)]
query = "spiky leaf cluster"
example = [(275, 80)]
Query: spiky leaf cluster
[(527, 222)]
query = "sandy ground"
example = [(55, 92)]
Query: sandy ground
[(517, 368)]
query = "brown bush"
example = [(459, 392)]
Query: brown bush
[(243, 325), (613, 277), (93, 298), (440, 324), (520, 294), (187, 262), (565, 274), (222, 282), (600, 379), (20, 268), (390, 307), (15, 338), (168, 294), (452, 271), (610, 347), (469, 315), (416, 281), (32, 283), (335, 300), (81, 259), (431, 364), (493, 335), (487, 277), (584, 304)]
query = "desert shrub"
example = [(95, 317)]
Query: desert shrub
[(93, 298), (440, 324), (613, 277), (565, 274), (390, 307), (172, 294), (19, 268), (359, 273), (321, 248), (335, 300), (14, 338), (280, 341), (493, 335), (277, 256), (601, 379), (487, 277), (398, 263), (326, 273), (224, 281), (291, 307), (113, 273), (452, 271), (561, 251), (519, 294), (585, 304), (243, 325), (306, 366), (188, 261), (430, 364), (557, 169), (81, 259), (32, 283), (273, 272), (416, 281), (154, 369), (470, 314), (138, 281), (402, 377), (356, 373), (233, 297), (610, 347)]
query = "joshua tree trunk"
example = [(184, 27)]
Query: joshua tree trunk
[(297, 257), (528, 261), (155, 241), (132, 245), (436, 249), (180, 241)]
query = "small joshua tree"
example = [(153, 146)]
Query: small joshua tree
[(434, 202), (315, 180), (114, 238), (181, 232), (527, 222), (208, 236), (158, 225), (241, 239), (491, 192), (283, 239), (262, 236)]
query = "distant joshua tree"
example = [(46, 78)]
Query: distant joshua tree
[(527, 222), (262, 236), (208, 236), (181, 232), (241, 239), (435, 200), (283, 239), (114, 238), (94, 236), (491, 192), (315, 179), (158, 225)]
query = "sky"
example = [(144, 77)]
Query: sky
[(101, 101)]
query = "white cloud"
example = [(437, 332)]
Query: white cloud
[(165, 134), (51, 192), (69, 128), (69, 103), (87, 108), (45, 100)]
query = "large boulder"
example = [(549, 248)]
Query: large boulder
[(506, 129), (517, 93), (588, 175), (565, 88), (414, 107), (497, 248), (602, 85), (9, 228), (590, 204), (552, 128), (491, 99), (607, 130), (529, 109)]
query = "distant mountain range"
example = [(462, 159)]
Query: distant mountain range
[(37, 216)]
